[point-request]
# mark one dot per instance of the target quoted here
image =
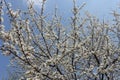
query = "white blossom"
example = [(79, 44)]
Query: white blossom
[(2, 28)]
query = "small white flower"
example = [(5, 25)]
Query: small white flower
[(28, 72), (1, 12), (2, 27), (14, 14), (1, 19), (6, 53)]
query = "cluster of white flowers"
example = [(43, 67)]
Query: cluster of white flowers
[(14, 14), (45, 50), (2, 28), (1, 21)]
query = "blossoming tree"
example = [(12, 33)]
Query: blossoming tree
[(43, 49)]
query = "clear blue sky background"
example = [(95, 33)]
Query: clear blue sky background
[(99, 8)]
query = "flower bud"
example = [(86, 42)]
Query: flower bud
[(1, 19)]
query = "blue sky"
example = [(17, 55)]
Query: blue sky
[(99, 8)]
